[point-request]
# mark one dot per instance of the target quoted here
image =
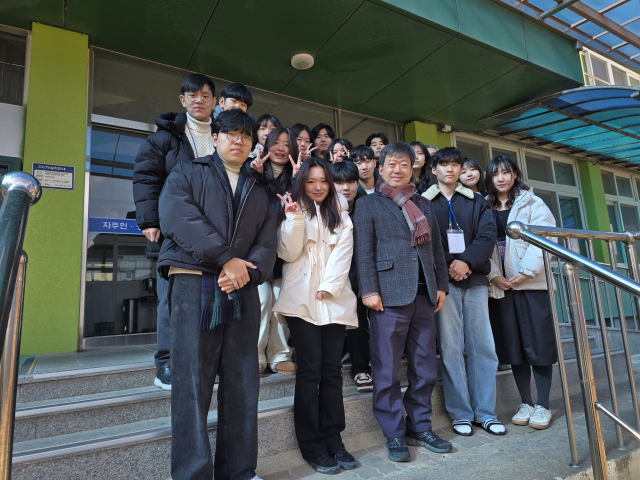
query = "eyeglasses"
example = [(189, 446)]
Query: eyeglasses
[(233, 138), (206, 97)]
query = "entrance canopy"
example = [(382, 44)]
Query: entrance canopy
[(601, 123)]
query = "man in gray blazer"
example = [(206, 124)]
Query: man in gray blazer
[(403, 280)]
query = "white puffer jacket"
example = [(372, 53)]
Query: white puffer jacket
[(316, 260), (520, 256)]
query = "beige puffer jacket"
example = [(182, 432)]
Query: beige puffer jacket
[(316, 260), (520, 256)]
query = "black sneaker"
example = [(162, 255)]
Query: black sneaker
[(163, 378), (345, 460), (325, 464), (398, 450), (428, 440)]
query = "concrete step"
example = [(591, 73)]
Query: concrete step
[(140, 449), (569, 346)]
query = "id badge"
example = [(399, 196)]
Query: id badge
[(456, 241), (501, 248)]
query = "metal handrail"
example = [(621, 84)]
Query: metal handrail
[(18, 192), (569, 271), (634, 433)]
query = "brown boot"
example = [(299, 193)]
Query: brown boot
[(286, 368)]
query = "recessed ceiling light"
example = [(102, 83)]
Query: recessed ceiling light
[(302, 61)]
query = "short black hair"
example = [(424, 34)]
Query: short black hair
[(358, 153), (316, 131), (195, 83), (398, 149), (344, 172), (447, 155), (342, 141), (237, 91), (266, 118), (298, 128), (380, 135), (234, 120)]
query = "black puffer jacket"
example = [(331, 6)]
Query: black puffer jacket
[(197, 219), (157, 157)]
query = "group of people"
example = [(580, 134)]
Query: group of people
[(293, 240)]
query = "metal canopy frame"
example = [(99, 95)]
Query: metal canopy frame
[(599, 123), (598, 18)]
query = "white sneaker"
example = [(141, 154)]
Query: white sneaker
[(540, 419), (523, 414)]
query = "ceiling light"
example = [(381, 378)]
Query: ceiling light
[(302, 61)]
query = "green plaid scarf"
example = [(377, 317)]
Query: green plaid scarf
[(217, 307)]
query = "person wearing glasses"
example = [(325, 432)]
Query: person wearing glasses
[(181, 137), (221, 242)]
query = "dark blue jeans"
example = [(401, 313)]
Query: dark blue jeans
[(197, 356), (163, 325)]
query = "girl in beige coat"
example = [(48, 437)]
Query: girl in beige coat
[(317, 304)]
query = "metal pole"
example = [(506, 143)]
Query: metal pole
[(632, 257), (625, 341), (556, 9), (607, 354), (9, 374), (585, 369), (561, 366), (618, 421)]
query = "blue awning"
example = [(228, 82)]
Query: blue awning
[(601, 123)]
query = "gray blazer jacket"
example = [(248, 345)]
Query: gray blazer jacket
[(385, 259)]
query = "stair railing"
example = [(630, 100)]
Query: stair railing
[(573, 300), (18, 192)]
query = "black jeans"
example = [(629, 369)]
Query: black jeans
[(358, 342), (197, 356), (318, 409)]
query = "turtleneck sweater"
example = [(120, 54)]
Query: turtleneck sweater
[(199, 135), (277, 169), (233, 172)]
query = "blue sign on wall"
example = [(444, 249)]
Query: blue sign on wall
[(57, 177), (122, 226)]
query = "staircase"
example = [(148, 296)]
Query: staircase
[(109, 423)]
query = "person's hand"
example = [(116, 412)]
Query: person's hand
[(307, 153), (236, 270), (289, 205), (152, 234), (501, 282), (440, 300), (225, 283), (296, 166), (459, 270), (519, 279), (322, 295), (374, 302), (258, 163)]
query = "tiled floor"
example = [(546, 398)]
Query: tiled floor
[(103, 357)]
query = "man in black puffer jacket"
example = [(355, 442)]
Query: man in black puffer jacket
[(178, 138), (221, 241)]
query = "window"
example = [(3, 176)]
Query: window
[(539, 168), (619, 76), (608, 182), (634, 82), (13, 53), (624, 187), (564, 173), (600, 71), (356, 128), (495, 151), (475, 150)]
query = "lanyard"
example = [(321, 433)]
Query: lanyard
[(193, 141), (454, 218)]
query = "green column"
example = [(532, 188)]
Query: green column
[(55, 133), (596, 205), (427, 134)]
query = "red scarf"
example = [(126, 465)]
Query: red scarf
[(401, 196)]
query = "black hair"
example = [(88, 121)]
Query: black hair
[(195, 83), (499, 162), (432, 146), (329, 209), (399, 149), (298, 128), (237, 91), (316, 131), (425, 180), (342, 141), (281, 184), (470, 162), (447, 155), (263, 121), (380, 135), (358, 153), (345, 172), (234, 121)]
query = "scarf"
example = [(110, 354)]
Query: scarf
[(217, 307), (401, 196)]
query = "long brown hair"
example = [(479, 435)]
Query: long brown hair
[(503, 162), (329, 208)]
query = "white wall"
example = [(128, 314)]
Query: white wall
[(11, 130)]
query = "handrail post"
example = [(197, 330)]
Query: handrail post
[(9, 365), (561, 366), (585, 370)]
